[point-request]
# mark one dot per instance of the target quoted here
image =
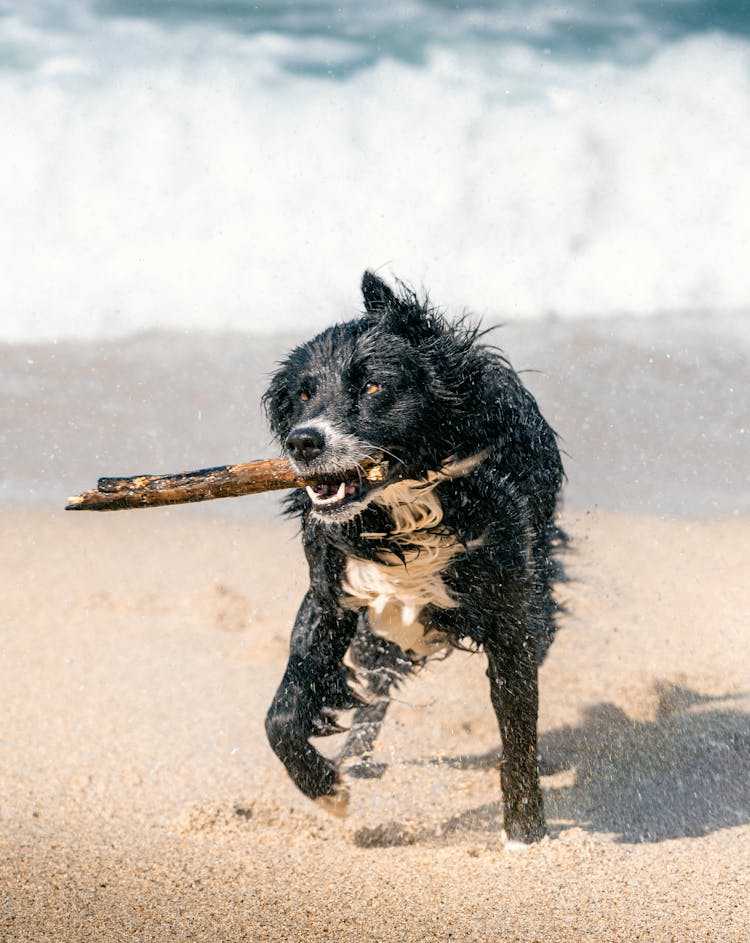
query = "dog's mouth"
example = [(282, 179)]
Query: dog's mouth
[(332, 495)]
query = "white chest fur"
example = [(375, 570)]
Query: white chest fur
[(394, 595), (396, 591)]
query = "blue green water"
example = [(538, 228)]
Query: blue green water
[(357, 34)]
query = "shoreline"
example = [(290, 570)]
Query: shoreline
[(651, 414)]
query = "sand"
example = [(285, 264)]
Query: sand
[(140, 801)]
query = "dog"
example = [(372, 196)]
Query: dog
[(433, 526)]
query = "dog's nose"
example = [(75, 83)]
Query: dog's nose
[(305, 444)]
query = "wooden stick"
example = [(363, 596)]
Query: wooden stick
[(225, 481)]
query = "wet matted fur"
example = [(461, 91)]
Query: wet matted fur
[(451, 544)]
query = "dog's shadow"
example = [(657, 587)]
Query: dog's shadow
[(684, 774)]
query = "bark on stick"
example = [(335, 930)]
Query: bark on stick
[(225, 481)]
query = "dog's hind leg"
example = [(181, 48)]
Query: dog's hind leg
[(514, 690), (378, 665)]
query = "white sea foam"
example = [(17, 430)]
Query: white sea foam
[(190, 182)]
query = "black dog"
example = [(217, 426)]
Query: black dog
[(434, 527)]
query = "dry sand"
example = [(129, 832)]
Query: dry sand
[(140, 802)]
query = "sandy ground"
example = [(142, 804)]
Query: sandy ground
[(140, 802)]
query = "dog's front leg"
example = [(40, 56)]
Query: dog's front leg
[(313, 689), (512, 671)]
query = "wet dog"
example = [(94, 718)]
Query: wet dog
[(433, 527)]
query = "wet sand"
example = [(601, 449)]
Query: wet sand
[(652, 413), (140, 802)]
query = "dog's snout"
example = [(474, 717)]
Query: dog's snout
[(305, 444)]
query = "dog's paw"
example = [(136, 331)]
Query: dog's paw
[(509, 844), (335, 803)]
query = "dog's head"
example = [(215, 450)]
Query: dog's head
[(375, 400)]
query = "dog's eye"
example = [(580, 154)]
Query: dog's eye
[(304, 397), (372, 387)]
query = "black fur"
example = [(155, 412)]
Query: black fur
[(403, 382)]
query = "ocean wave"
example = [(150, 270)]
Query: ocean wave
[(208, 188)]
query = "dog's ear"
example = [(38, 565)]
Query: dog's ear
[(403, 314), (276, 402), (378, 296)]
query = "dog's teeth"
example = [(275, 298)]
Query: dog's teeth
[(330, 499)]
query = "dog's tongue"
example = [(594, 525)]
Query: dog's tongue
[(327, 490)]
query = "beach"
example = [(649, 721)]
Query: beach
[(141, 801), (140, 650), (189, 190)]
